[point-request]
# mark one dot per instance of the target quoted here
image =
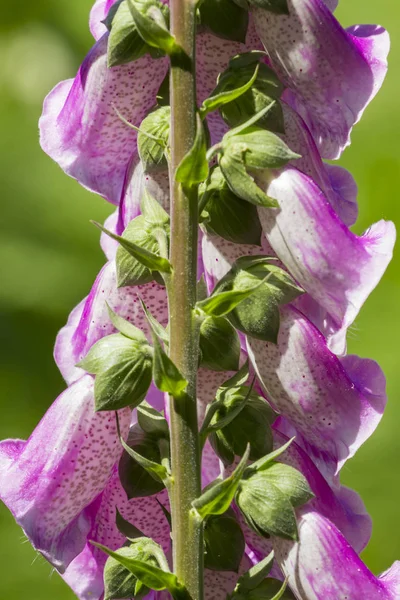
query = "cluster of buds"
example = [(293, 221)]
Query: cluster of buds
[(281, 278)]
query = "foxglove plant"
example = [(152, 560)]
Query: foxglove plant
[(211, 404)]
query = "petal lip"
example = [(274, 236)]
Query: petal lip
[(337, 268), (331, 73), (98, 13), (82, 132), (323, 565), (49, 480), (333, 404)]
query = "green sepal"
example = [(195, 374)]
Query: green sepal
[(148, 259), (151, 23), (119, 582), (126, 528), (262, 93), (123, 369), (124, 42), (150, 575), (152, 421), (217, 498), (269, 492), (135, 480), (166, 374), (279, 7), (258, 315), (255, 575), (261, 149), (126, 327), (250, 425), (152, 211), (155, 469), (193, 168), (220, 96), (224, 19), (265, 461), (240, 181), (154, 147), (219, 345), (224, 543), (227, 215)]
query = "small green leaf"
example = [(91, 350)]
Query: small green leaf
[(227, 215), (218, 497), (193, 168), (126, 328), (238, 379), (222, 303), (130, 271), (279, 7), (224, 19), (155, 326), (127, 529), (254, 576), (152, 421), (153, 148), (152, 210), (219, 96), (265, 461), (135, 480), (167, 514), (224, 543), (124, 43), (119, 582), (157, 471), (266, 508), (239, 181), (219, 345), (151, 261), (123, 369), (151, 576), (151, 25)]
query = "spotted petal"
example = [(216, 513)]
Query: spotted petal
[(323, 565), (49, 480), (334, 404), (331, 73)]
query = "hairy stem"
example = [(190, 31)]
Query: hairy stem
[(185, 452)]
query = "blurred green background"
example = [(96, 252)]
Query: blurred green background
[(50, 256)]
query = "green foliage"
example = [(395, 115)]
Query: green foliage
[(193, 169), (279, 7), (225, 19), (151, 21), (222, 302), (151, 421), (221, 96), (224, 542), (227, 215), (217, 497), (119, 582), (166, 374), (126, 528), (258, 315), (267, 495), (219, 345), (124, 43), (153, 139), (135, 480), (123, 369)]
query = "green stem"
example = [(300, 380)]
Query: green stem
[(185, 451)]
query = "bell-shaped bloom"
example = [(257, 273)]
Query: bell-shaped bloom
[(337, 184), (331, 73), (49, 480), (336, 267), (334, 404), (323, 565)]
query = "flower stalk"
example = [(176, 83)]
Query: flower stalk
[(185, 452)]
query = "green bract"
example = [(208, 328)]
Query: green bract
[(124, 42), (126, 528), (119, 583), (151, 20), (267, 495), (219, 345), (153, 139), (225, 19), (251, 425), (265, 89), (193, 169), (151, 421), (123, 369), (227, 215), (258, 315), (135, 480), (224, 542)]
